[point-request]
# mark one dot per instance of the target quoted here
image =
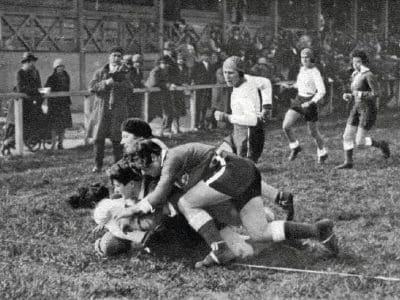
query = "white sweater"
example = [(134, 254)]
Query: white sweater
[(245, 100), (310, 83)]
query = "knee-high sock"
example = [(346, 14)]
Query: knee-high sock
[(282, 230)]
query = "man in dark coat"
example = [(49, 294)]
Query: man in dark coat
[(203, 73), (112, 88)]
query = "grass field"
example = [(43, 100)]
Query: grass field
[(46, 248)]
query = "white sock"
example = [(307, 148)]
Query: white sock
[(368, 141), (322, 152), (294, 145)]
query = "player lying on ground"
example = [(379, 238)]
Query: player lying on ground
[(132, 233), (213, 178)]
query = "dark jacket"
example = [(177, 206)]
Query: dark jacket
[(28, 82), (59, 114), (158, 78), (110, 104), (136, 78), (203, 76)]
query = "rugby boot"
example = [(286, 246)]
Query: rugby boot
[(294, 152), (384, 146), (322, 158), (285, 200), (348, 160), (327, 237), (219, 255)]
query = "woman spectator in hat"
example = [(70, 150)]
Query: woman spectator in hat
[(28, 82), (59, 113)]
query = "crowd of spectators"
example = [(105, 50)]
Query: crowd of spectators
[(197, 59)]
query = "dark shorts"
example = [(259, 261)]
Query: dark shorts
[(247, 141), (363, 116), (310, 113), (239, 179)]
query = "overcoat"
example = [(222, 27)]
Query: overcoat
[(110, 103)]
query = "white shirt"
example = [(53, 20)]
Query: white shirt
[(245, 100), (310, 83)]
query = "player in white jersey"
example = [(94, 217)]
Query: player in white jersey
[(251, 104), (311, 90)]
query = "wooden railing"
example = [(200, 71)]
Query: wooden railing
[(146, 91), (17, 97)]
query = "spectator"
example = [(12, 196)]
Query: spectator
[(59, 113), (203, 73), (179, 97), (160, 102), (111, 87), (189, 53), (234, 43), (169, 57), (28, 82), (134, 64), (263, 68)]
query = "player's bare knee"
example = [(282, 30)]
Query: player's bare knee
[(256, 234), (347, 137), (183, 205), (285, 126), (359, 142)]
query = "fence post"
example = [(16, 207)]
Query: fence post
[(331, 97), (193, 101), (86, 116), (19, 131), (397, 92), (146, 107)]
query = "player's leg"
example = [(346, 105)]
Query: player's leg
[(290, 119), (191, 205), (348, 146), (322, 153), (367, 121), (283, 199), (259, 230)]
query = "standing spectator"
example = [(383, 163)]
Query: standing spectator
[(220, 96), (112, 90), (160, 102), (203, 73), (234, 43), (28, 82), (364, 92), (59, 113), (169, 57), (134, 64), (311, 90), (263, 69), (179, 97)]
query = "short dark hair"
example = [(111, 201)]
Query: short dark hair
[(116, 49), (144, 151), (361, 54), (137, 127), (124, 173)]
